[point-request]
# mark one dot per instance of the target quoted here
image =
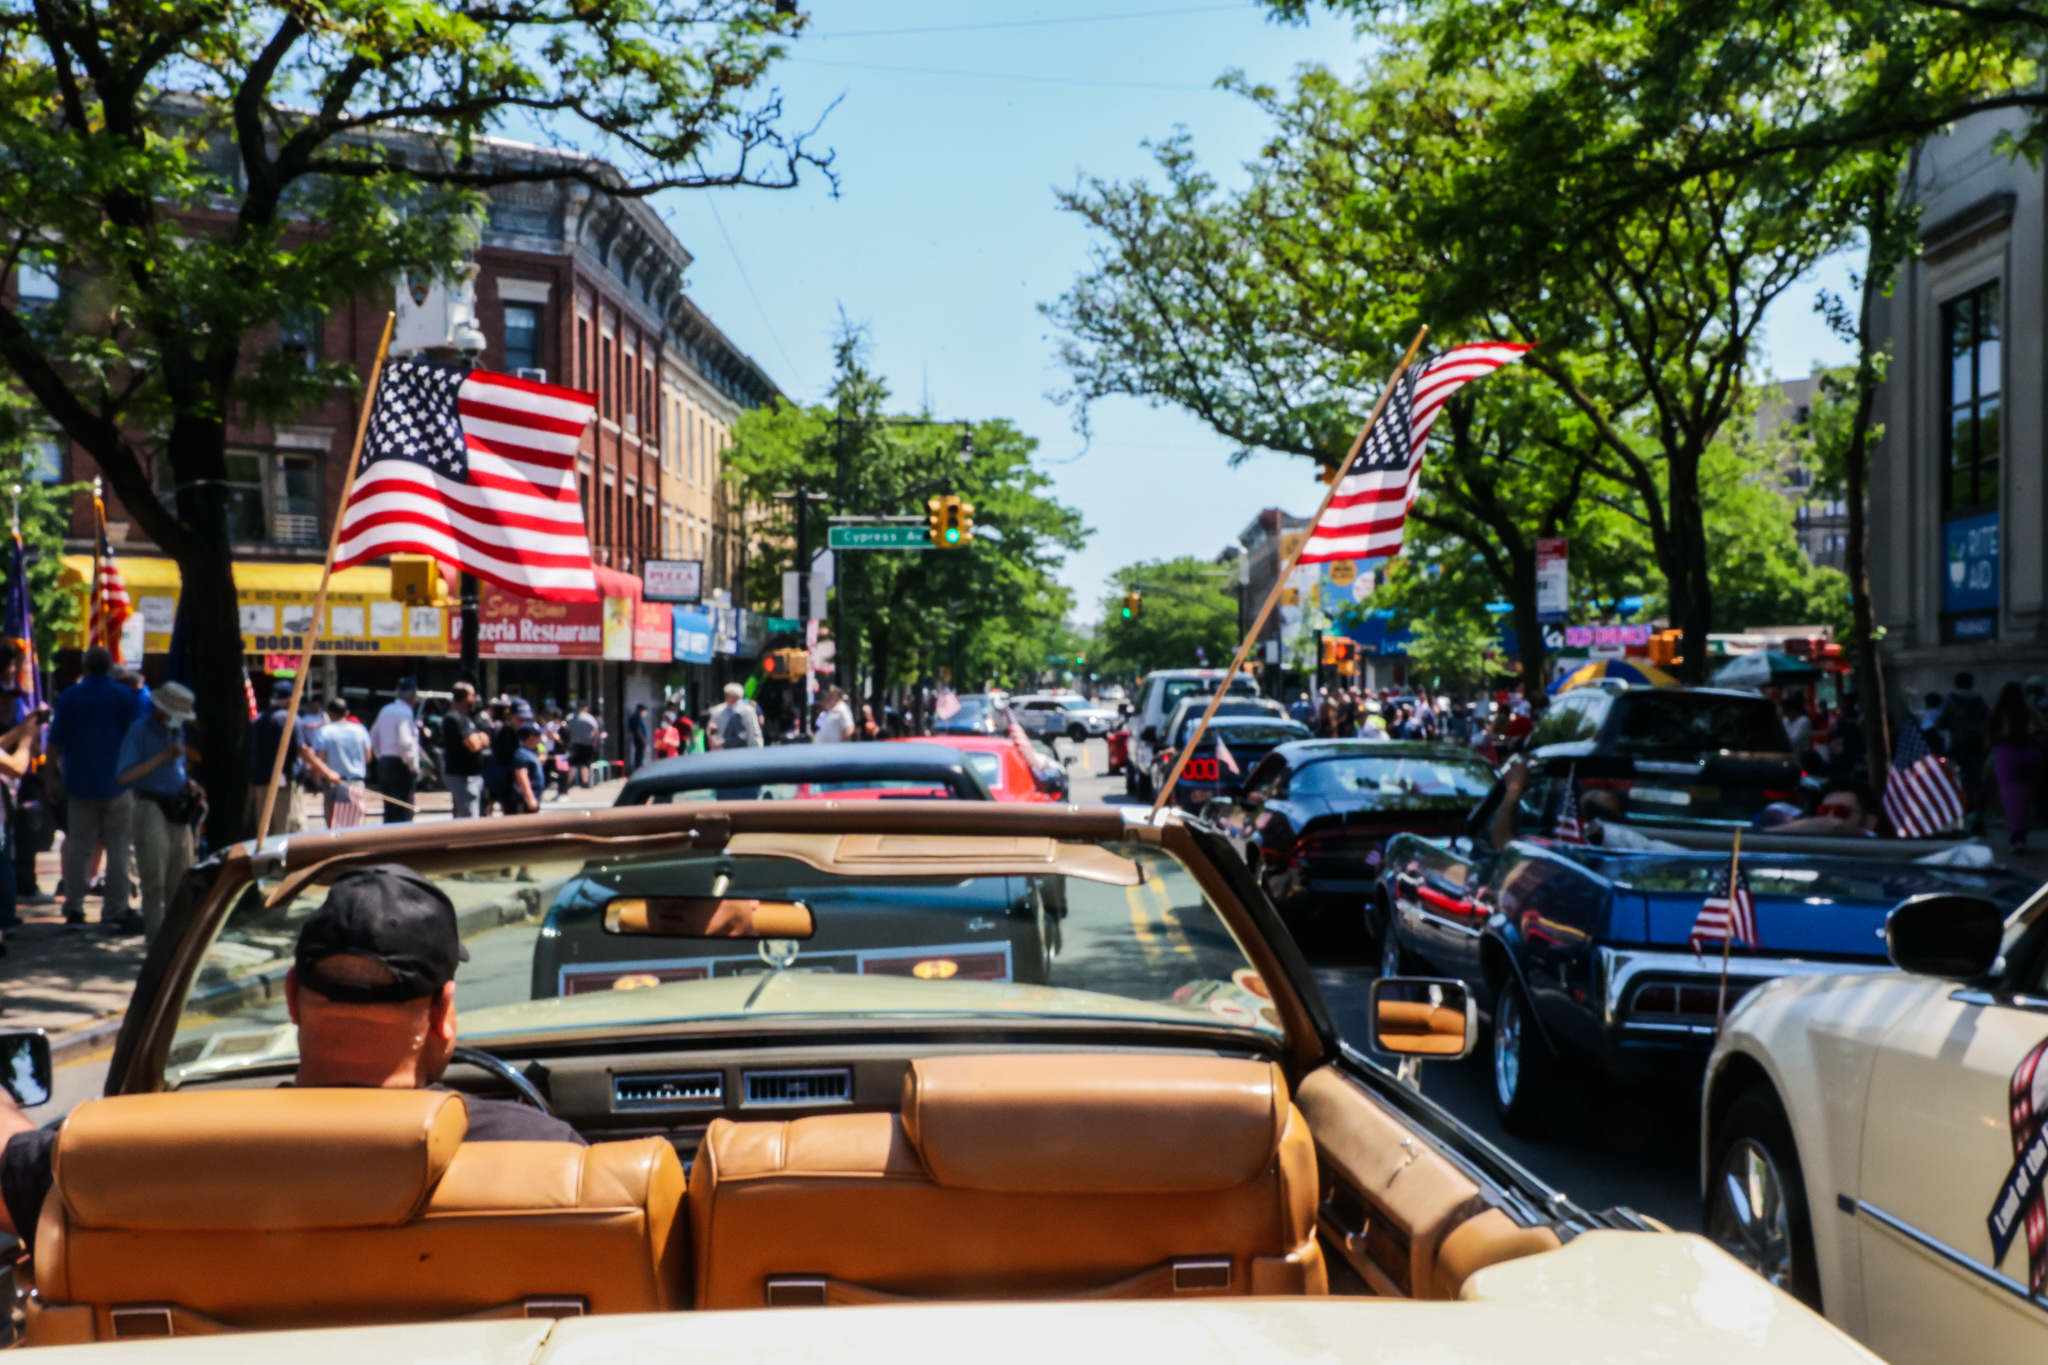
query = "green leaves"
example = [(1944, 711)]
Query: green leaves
[(1188, 618)]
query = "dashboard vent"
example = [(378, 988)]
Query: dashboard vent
[(833, 1085), (670, 1090)]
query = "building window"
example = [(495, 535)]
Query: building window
[(604, 377), (298, 337), (522, 337), (1970, 393), (36, 285), (46, 459), (583, 357)]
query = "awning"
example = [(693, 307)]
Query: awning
[(612, 583), (146, 574)]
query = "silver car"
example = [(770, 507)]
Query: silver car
[(1075, 717)]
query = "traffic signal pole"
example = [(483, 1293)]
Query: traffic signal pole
[(1180, 760)]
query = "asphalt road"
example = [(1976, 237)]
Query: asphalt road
[(1603, 1146)]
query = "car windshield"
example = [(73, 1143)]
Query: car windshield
[(972, 710), (1688, 724), (1193, 716), (1074, 703), (1255, 732), (1111, 930), (990, 766), (1404, 775), (799, 791), (1178, 688)]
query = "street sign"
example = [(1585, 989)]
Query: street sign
[(778, 624), (880, 538)]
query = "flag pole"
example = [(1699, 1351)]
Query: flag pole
[(1180, 760), (1728, 939), (99, 538), (348, 484)]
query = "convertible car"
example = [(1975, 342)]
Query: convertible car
[(1161, 1150), (805, 771)]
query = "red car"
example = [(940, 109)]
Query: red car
[(1002, 763)]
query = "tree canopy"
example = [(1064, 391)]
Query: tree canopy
[(1186, 618)]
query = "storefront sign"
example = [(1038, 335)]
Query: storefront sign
[(1603, 637), (692, 635), (618, 627), (510, 626), (653, 633), (1553, 579), (1970, 582), (672, 580), (275, 621)]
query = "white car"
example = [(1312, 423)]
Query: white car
[(1075, 717), (1873, 1143)]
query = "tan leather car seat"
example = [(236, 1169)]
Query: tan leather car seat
[(210, 1211), (1040, 1176)]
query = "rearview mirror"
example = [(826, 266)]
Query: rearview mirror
[(25, 1067), (1414, 1016), (1957, 937), (709, 917)]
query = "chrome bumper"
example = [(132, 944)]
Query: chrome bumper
[(1616, 969)]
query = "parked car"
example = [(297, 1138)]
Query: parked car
[(1181, 719), (1077, 718), (980, 713), (787, 772), (1871, 1143), (1169, 1116), (1158, 694), (1314, 817), (1227, 751), (1010, 771), (1580, 953)]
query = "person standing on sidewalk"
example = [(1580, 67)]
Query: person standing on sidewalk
[(462, 744), (736, 724), (275, 727), (395, 740), (835, 718), (637, 736), (92, 718), (344, 746), (152, 765), (584, 735)]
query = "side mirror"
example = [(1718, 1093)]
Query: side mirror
[(1416, 1016), (1957, 937), (25, 1066), (708, 917)]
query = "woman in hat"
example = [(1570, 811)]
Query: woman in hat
[(152, 763)]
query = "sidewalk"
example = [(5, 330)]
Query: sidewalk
[(76, 982)]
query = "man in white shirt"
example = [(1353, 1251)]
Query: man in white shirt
[(735, 725), (395, 742), (835, 718)]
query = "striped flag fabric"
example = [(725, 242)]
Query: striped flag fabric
[(1368, 516), (346, 806), (1920, 798), (1569, 829), (111, 606), (1727, 916), (479, 471), (1226, 758), (2020, 1203)]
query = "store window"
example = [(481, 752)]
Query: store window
[(1971, 447), (522, 337)]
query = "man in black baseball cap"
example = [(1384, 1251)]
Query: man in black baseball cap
[(373, 994)]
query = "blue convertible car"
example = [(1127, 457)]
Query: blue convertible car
[(1580, 952)]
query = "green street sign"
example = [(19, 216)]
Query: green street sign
[(779, 624), (880, 538)]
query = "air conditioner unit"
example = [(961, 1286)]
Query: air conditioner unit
[(537, 376)]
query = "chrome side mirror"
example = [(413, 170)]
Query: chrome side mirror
[(1417, 1017)]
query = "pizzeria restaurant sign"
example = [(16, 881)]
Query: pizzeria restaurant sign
[(513, 627)]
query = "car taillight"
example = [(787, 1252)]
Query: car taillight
[(1200, 770), (1774, 794)]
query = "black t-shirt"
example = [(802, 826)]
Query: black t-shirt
[(267, 733), (455, 754), (25, 1160)]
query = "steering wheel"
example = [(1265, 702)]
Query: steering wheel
[(527, 1091)]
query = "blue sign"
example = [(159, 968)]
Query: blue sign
[(1970, 569), (693, 636)]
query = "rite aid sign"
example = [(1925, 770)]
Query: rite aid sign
[(672, 580)]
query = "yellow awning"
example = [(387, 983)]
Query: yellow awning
[(147, 574)]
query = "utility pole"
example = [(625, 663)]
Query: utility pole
[(469, 629)]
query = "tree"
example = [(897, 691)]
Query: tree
[(993, 608), (196, 174), (1449, 652), (1185, 618), (45, 510)]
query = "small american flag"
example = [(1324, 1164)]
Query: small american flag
[(479, 471), (1226, 758), (346, 806), (1569, 829), (1365, 520), (110, 605), (1920, 798), (1726, 916)]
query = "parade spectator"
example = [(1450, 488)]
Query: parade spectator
[(18, 749), (395, 743), (24, 793), (1930, 722), (584, 735), (504, 750), (1303, 710), (277, 727), (835, 718), (668, 740), (637, 736), (736, 724), (1964, 716), (870, 728), (462, 744), (1798, 728), (344, 746), (2015, 731), (529, 780), (152, 764), (91, 719), (1846, 808)]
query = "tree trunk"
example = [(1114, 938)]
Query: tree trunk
[(213, 620), (1528, 629), (1688, 582), (1870, 688)]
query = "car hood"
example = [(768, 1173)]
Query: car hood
[(801, 992), (1607, 1296), (1805, 906)]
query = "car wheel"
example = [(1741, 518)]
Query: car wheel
[(1376, 921), (1525, 1071), (1078, 733), (1756, 1205)]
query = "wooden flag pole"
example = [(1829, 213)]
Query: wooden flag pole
[(99, 538), (1728, 939), (348, 484), (1180, 760)]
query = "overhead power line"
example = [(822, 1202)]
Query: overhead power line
[(1025, 23), (997, 76)]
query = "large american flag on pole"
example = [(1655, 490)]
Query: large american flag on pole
[(479, 471), (1367, 517), (1920, 798), (1727, 916)]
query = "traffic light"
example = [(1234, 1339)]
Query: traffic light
[(1665, 646), (949, 522), (416, 581), (1134, 605), (934, 520), (786, 663), (964, 520)]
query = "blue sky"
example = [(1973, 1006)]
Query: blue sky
[(951, 142)]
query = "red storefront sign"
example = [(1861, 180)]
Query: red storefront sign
[(512, 627), (653, 633)]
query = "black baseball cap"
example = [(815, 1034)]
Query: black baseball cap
[(391, 915)]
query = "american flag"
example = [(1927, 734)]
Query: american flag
[(110, 605), (1226, 758), (1569, 829), (1366, 518), (1726, 917), (479, 471), (346, 806), (1920, 798)]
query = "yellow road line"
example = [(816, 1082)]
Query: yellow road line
[(1141, 927), (1169, 919)]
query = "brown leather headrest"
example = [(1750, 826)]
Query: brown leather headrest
[(257, 1160), (1101, 1124)]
